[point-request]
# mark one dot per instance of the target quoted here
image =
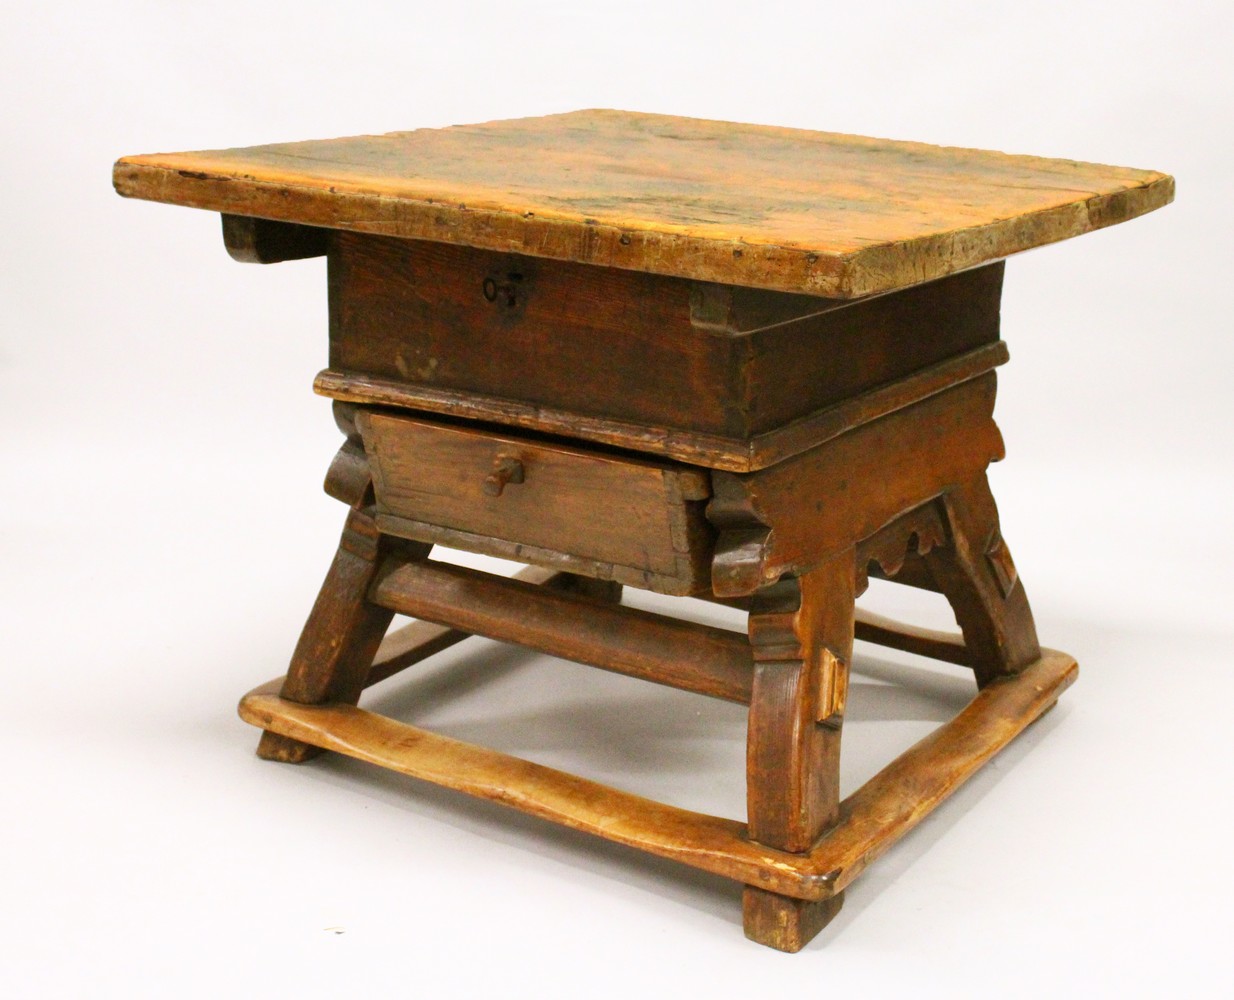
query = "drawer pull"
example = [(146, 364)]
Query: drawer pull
[(507, 469)]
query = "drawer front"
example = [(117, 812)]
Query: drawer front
[(439, 323), (591, 340), (636, 521)]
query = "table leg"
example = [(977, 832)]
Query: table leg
[(978, 578), (801, 632), (340, 638)]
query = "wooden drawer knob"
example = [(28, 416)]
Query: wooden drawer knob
[(507, 469)]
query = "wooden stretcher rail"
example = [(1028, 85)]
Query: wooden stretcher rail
[(946, 646), (871, 820), (418, 640), (408, 645), (699, 658)]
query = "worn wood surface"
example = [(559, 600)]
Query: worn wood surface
[(711, 843), (607, 508), (804, 324), (418, 640), (801, 634), (578, 627), (343, 631), (784, 922), (695, 447), (261, 241), (817, 212), (902, 794), (976, 574), (791, 516), (341, 636), (933, 643), (914, 533), (501, 548), (638, 348), (870, 821)]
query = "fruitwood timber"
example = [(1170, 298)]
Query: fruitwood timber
[(263, 241), (769, 521), (745, 363), (802, 211), (914, 573), (784, 922), (577, 627), (418, 640), (433, 483), (976, 574), (870, 821), (883, 631), (946, 646), (801, 633), (642, 349), (340, 637), (698, 448)]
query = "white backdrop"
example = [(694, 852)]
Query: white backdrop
[(163, 533)]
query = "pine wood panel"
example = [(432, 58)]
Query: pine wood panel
[(817, 212)]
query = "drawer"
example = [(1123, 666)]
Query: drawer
[(437, 323), (602, 514)]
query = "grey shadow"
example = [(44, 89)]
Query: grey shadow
[(647, 732)]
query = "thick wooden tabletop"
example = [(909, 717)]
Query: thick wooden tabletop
[(817, 212)]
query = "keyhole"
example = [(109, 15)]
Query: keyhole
[(506, 291)]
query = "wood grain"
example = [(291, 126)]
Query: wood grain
[(639, 348), (902, 794), (784, 922), (615, 509), (261, 241), (977, 576), (801, 634), (341, 636), (578, 627), (778, 346), (935, 644), (695, 447), (819, 212), (871, 820), (500, 548), (789, 517), (418, 640)]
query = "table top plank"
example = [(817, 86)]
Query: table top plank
[(817, 212)]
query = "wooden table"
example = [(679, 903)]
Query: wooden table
[(749, 364)]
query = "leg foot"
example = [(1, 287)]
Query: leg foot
[(285, 750), (782, 922)]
